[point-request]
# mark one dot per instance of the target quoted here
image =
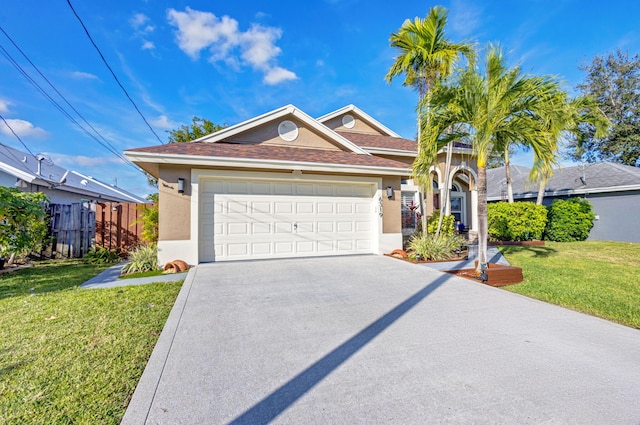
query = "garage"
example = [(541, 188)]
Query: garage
[(242, 219)]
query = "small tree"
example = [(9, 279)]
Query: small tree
[(199, 127), (23, 221), (149, 220)]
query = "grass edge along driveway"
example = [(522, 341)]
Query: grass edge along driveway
[(71, 355), (598, 278)]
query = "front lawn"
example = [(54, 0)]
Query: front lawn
[(70, 355), (597, 278)]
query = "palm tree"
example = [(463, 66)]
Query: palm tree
[(496, 105), (426, 56)]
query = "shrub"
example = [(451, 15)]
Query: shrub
[(448, 224), (435, 248), (569, 220), (24, 223), (100, 256), (142, 259), (519, 221), (149, 220)]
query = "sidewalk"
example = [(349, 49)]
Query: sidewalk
[(109, 278)]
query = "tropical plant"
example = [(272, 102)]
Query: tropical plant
[(518, 221), (142, 259), (23, 221), (486, 108), (101, 256), (436, 248), (426, 56), (149, 220), (569, 220)]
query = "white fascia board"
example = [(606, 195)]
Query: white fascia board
[(211, 161), (119, 193), (27, 177), (363, 115), (394, 152), (273, 115), (569, 192)]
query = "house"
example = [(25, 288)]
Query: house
[(39, 174), (284, 184), (612, 189)]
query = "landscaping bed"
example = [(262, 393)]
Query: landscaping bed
[(496, 275)]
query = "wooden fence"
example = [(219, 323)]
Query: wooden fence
[(77, 227), (72, 229)]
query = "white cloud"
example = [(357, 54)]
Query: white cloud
[(256, 47), (4, 106), (465, 17), (79, 75), (148, 45), (163, 122), (138, 20), (277, 75), (71, 161), (22, 128)]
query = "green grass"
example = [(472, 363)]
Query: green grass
[(597, 278), (70, 355), (141, 274)]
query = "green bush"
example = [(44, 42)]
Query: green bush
[(448, 224), (100, 256), (569, 220), (519, 221), (435, 248), (142, 259)]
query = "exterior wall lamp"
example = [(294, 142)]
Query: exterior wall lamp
[(389, 192), (180, 185)]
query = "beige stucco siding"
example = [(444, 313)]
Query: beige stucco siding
[(359, 127), (267, 134), (392, 212), (174, 213)]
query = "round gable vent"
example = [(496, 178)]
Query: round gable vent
[(348, 121), (288, 130)]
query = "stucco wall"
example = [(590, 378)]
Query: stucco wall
[(359, 127), (174, 208), (617, 217), (268, 135), (391, 208)]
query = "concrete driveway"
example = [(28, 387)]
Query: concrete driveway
[(369, 339)]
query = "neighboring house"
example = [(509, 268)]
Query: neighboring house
[(38, 174), (286, 185), (612, 189)]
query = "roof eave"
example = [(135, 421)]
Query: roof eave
[(212, 161)]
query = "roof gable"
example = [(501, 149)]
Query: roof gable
[(363, 122), (265, 129)]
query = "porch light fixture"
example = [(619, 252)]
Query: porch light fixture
[(180, 185), (389, 192)]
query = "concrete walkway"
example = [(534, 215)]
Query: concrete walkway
[(109, 278), (370, 339)]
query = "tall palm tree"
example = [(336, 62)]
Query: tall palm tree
[(426, 56), (495, 105)]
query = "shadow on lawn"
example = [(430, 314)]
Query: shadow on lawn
[(46, 277), (537, 251)]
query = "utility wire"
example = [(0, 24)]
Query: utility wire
[(113, 73), (16, 134), (113, 149)]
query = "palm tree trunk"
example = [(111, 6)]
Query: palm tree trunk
[(444, 208), (482, 217), (507, 168), (543, 183)]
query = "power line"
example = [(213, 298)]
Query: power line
[(113, 149), (37, 86), (113, 73), (16, 134)]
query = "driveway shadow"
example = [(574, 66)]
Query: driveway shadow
[(277, 402)]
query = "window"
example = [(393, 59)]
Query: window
[(409, 209)]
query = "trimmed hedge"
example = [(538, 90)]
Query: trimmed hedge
[(519, 221), (569, 220), (448, 224)]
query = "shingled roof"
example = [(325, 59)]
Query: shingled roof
[(589, 178), (270, 153), (378, 141)]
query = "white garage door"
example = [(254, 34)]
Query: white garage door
[(242, 220)]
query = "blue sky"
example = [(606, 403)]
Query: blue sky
[(230, 60)]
